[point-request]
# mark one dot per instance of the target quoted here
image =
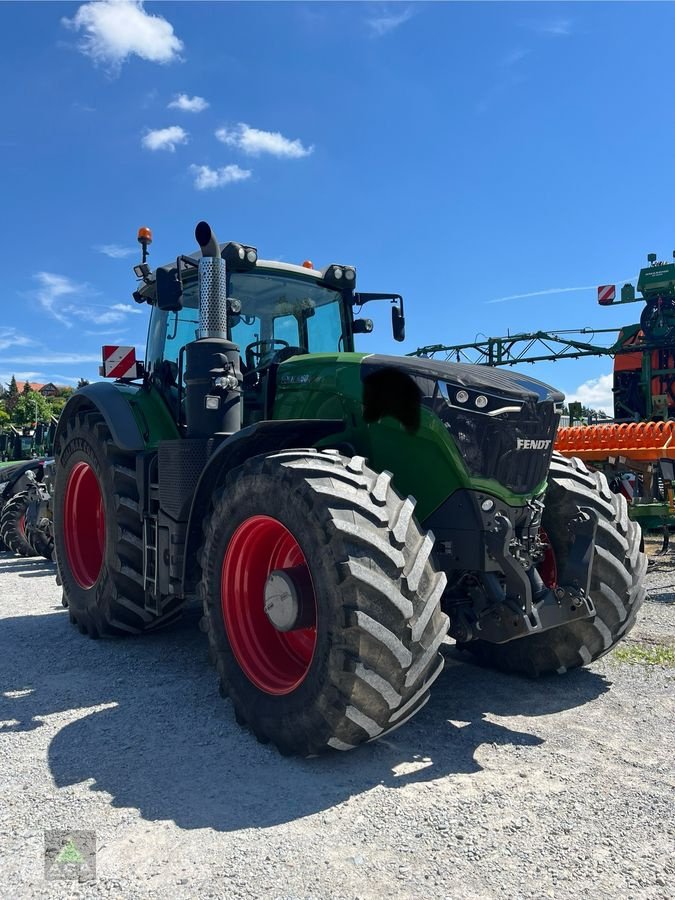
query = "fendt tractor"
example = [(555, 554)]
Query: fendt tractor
[(334, 512)]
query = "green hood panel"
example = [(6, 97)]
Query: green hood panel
[(425, 463)]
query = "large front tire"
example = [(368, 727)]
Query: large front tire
[(361, 661), (617, 578), (99, 533)]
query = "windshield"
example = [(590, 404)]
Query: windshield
[(277, 311)]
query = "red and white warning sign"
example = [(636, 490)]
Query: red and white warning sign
[(119, 362), (606, 293)]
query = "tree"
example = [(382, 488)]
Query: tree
[(12, 396), (65, 392), (28, 404), (82, 383), (56, 405)]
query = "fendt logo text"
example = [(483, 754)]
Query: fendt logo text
[(527, 444)]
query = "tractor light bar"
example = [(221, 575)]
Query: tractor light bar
[(239, 257), (339, 276)]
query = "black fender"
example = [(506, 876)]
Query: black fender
[(15, 478), (109, 401), (255, 440)]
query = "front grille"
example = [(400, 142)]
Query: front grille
[(490, 446)]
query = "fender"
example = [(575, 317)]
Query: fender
[(111, 403), (255, 440), (15, 478)]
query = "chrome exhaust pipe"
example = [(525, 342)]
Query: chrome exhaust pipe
[(212, 279)]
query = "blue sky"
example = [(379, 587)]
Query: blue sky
[(455, 153)]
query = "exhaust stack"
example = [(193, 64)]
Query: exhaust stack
[(212, 276), (212, 374)]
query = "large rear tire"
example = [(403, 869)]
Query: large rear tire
[(13, 527), (99, 533), (360, 660), (617, 580)]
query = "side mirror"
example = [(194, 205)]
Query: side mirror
[(362, 326), (169, 289), (398, 323)]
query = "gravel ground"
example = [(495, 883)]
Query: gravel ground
[(501, 787)]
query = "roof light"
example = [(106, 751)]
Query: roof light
[(144, 235), (239, 257), (337, 277), (308, 264)]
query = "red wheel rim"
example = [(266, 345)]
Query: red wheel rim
[(21, 525), (275, 661), (548, 567), (84, 525)]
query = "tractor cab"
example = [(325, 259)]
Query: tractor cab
[(270, 310), (275, 312)]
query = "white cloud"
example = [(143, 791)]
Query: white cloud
[(9, 337), (6, 377), (102, 315), (388, 20), (165, 138), (115, 251), (114, 30), (52, 288), (567, 290), (60, 379), (554, 27), (45, 357), (514, 57), (254, 142), (188, 104), (564, 290), (107, 332), (127, 309), (596, 393), (207, 178)]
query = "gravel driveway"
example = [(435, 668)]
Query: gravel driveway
[(501, 787)]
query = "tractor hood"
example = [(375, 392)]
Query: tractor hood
[(428, 372), (502, 423)]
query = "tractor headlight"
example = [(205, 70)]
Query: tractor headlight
[(239, 257), (339, 277), (500, 437)]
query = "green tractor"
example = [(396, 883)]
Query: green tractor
[(335, 513)]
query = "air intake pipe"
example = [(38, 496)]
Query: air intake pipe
[(212, 374)]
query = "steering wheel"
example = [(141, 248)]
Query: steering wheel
[(255, 351)]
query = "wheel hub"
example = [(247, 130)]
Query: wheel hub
[(269, 605), (289, 603)]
